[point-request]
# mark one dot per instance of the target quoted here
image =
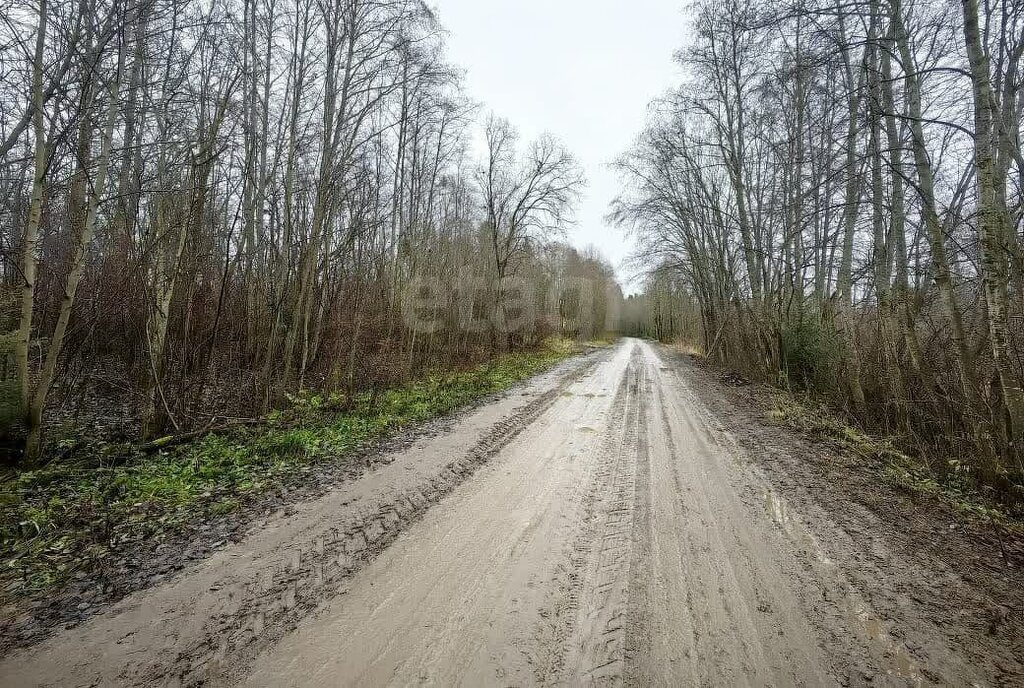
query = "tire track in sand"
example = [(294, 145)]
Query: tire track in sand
[(205, 626), (584, 635), (279, 600)]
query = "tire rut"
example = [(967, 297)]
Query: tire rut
[(584, 632), (276, 601), (637, 643), (622, 539)]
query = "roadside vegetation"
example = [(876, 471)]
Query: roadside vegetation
[(895, 462), (209, 208), (68, 516), (830, 202), (214, 210), (956, 487)]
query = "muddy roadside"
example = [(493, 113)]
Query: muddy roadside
[(927, 568), (144, 565)]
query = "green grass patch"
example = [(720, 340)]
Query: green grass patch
[(893, 466), (61, 519)]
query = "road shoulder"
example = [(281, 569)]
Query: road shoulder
[(281, 566), (936, 581)]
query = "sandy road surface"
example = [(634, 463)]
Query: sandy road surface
[(595, 527)]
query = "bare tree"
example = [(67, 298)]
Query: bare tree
[(221, 204), (526, 200), (819, 144)]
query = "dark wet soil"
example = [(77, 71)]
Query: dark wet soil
[(919, 563)]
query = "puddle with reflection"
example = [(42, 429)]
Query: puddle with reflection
[(895, 659)]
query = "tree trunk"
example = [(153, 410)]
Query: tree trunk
[(962, 355), (993, 224), (19, 393)]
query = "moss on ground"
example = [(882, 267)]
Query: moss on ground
[(61, 519)]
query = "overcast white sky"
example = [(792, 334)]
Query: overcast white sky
[(583, 70)]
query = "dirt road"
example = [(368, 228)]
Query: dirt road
[(597, 526)]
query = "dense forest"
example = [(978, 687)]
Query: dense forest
[(832, 199), (208, 205)]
